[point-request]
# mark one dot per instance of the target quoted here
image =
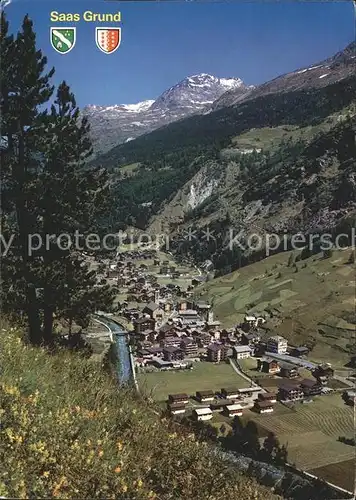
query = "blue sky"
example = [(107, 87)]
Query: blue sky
[(162, 42)]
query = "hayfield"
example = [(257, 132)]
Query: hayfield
[(341, 473), (317, 301), (311, 431), (204, 376)]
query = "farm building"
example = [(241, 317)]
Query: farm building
[(177, 408), (271, 397), (230, 393), (249, 392), (202, 413), (298, 352), (264, 406), (178, 398), (204, 396), (234, 410), (242, 351)]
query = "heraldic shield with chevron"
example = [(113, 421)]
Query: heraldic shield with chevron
[(108, 39)]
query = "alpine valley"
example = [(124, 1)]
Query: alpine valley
[(210, 152)]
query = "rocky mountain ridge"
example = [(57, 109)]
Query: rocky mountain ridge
[(113, 125)]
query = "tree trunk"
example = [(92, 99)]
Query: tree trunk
[(48, 324), (24, 228)]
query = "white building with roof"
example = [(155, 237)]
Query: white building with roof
[(203, 413)]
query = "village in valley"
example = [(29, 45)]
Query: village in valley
[(191, 366)]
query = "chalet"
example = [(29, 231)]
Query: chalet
[(175, 275), (178, 398), (252, 321), (189, 316), (299, 352), (233, 410), (268, 365), (264, 406), (170, 341), (204, 396), (142, 324), (290, 392), (288, 370), (203, 309), (153, 310), (202, 413), (163, 270), (250, 339), (176, 408), (156, 262), (271, 397), (171, 353), (217, 353), (277, 344), (147, 335), (310, 387), (155, 351), (229, 393), (323, 373), (241, 351), (189, 346), (249, 392), (161, 364), (213, 325), (203, 340)]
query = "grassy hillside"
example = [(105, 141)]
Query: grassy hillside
[(313, 299), (67, 431)]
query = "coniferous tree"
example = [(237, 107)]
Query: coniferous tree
[(24, 89), (46, 192)]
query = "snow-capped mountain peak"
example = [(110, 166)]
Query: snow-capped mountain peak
[(112, 125)]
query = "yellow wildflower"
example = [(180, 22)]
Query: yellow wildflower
[(45, 473), (119, 445), (100, 453), (124, 488), (139, 483)]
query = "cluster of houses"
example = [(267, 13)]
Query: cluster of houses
[(131, 272), (230, 402)]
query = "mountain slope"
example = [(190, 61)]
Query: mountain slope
[(315, 305), (335, 68), (69, 431), (112, 125)]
